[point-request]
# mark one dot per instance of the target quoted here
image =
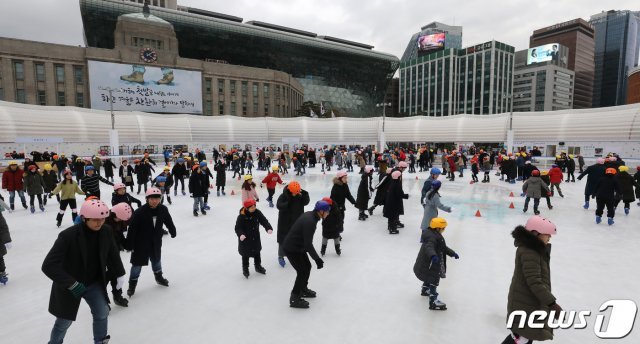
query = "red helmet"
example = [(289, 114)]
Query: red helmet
[(123, 211), (611, 171), (535, 173), (249, 203), (328, 200)]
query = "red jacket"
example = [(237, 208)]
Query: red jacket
[(452, 164), (555, 175), (12, 180), (271, 180)]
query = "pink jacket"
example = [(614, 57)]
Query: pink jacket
[(246, 194)]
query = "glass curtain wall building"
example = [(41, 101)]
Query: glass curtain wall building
[(348, 77), (617, 49), (476, 80)]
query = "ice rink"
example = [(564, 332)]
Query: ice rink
[(367, 295)]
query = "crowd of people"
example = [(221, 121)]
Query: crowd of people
[(86, 255)]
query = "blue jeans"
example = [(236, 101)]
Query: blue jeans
[(95, 298), (12, 196), (156, 266), (198, 203)]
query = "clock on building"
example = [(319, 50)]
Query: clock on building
[(148, 55)]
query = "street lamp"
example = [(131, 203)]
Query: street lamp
[(384, 117), (113, 134)]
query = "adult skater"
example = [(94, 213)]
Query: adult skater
[(393, 206), (297, 244), (221, 177), (206, 174), (77, 264), (12, 182), (290, 206), (607, 190), (126, 173), (364, 192), (50, 179), (530, 289), (534, 188), (144, 238), (593, 173), (248, 231), (197, 189), (331, 227), (384, 178), (108, 166), (432, 204), (180, 172), (34, 186), (340, 192)]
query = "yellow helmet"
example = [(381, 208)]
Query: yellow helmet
[(248, 177), (13, 162), (623, 168), (557, 156), (167, 168), (438, 223), (544, 172), (47, 167), (275, 168), (571, 156)]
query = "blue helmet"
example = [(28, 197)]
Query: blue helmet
[(203, 164), (436, 184), (161, 179), (180, 160), (322, 206), (436, 170), (554, 166), (89, 168)]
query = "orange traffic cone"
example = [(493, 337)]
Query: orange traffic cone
[(416, 177), (511, 194), (511, 206), (478, 213), (471, 182), (233, 192)]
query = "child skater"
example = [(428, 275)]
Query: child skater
[(331, 227), (69, 188), (120, 195), (248, 230)]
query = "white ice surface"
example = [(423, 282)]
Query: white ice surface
[(368, 295)]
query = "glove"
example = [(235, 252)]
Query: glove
[(450, 210), (261, 186), (555, 307), (372, 189), (78, 289), (191, 195), (50, 195), (8, 245), (242, 237), (455, 255), (319, 263), (523, 194), (435, 260), (173, 236), (270, 231), (549, 193), (120, 283), (257, 200), (593, 196)]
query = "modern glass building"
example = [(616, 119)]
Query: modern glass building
[(453, 38), (617, 48), (475, 80), (348, 77)]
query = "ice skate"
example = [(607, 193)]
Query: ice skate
[(33, 209), (260, 269), (361, 217), (438, 305), (245, 271), (393, 229), (175, 192), (223, 193), (295, 301), (586, 205), (323, 250), (168, 199), (370, 210), (203, 211), (536, 212), (59, 220), (24, 205), (44, 199), (41, 207), (132, 287), (281, 261), (218, 193), (3, 278), (626, 211), (270, 204), (119, 300), (308, 293), (137, 77), (105, 340), (598, 219), (184, 193), (338, 250), (195, 213), (207, 207), (610, 221), (161, 280), (399, 224)]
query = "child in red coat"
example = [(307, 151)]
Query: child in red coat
[(555, 177)]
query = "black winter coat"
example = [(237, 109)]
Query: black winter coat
[(362, 198), (636, 177), (626, 183), (65, 265), (571, 165), (393, 206), (124, 173), (340, 192), (197, 186), (179, 171), (594, 173), (126, 198), (289, 209), (50, 179), (300, 237), (143, 172), (145, 239), (248, 224), (433, 244), (608, 188), (333, 224), (108, 168), (384, 180), (221, 175), (5, 236)]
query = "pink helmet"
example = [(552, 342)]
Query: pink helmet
[(396, 174), (123, 211), (613, 158), (402, 164), (600, 161), (94, 209), (151, 192), (341, 174), (368, 169), (541, 225), (117, 186)]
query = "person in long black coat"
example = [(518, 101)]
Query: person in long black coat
[(571, 169), (144, 238), (126, 173), (607, 190), (594, 173), (384, 179), (248, 232), (340, 192), (626, 183), (197, 189), (143, 173), (364, 192), (179, 172), (393, 206), (290, 206), (79, 270), (221, 177), (108, 169), (332, 226)]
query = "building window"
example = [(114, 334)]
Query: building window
[(18, 69), (59, 73), (78, 75), (162, 3), (146, 42), (221, 108), (277, 91), (244, 88), (255, 107), (221, 86), (266, 109), (42, 98), (40, 75), (207, 85), (265, 90), (233, 108), (255, 89), (80, 99), (208, 107), (244, 108), (232, 87), (1, 93), (61, 99), (20, 96)]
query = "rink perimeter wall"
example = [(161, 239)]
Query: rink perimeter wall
[(84, 130)]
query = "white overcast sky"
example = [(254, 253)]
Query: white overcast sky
[(385, 24)]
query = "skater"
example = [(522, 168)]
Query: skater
[(544, 175), (34, 186), (120, 195), (393, 206), (332, 227), (581, 162), (555, 176), (626, 183), (78, 168), (298, 246), (235, 164), (364, 193), (475, 169), (290, 206), (433, 176), (90, 183), (5, 242), (77, 264), (323, 162), (50, 179), (340, 192), (12, 182), (486, 168), (144, 238), (221, 177), (431, 263), (636, 177), (126, 173), (432, 204), (69, 189), (534, 188), (179, 172), (530, 289), (164, 182), (607, 190), (248, 231), (249, 189), (117, 220), (571, 168), (271, 180), (143, 174), (108, 169), (594, 173), (206, 183), (197, 189), (384, 179)]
